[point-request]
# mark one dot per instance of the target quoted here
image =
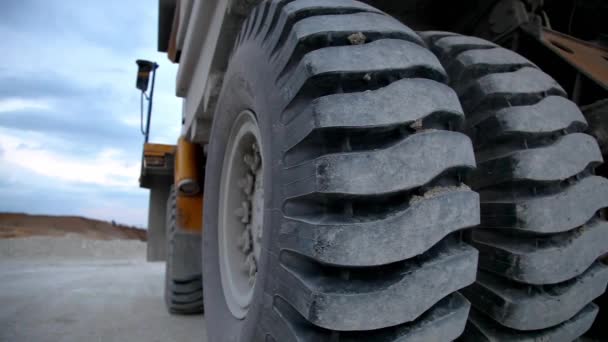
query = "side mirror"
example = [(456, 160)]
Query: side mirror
[(143, 73)]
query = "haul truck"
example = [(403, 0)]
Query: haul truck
[(415, 170)]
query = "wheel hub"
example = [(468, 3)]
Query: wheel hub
[(241, 214)]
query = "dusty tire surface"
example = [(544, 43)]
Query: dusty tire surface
[(542, 223), (363, 198), (183, 282)]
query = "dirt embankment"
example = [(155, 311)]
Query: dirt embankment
[(15, 225)]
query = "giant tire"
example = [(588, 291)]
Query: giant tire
[(542, 228), (183, 284), (362, 193)]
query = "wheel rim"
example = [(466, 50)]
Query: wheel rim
[(241, 214)]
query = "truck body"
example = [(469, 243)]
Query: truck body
[(384, 170), (199, 35)]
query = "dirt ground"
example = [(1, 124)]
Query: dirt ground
[(71, 279), (15, 225), (88, 300)]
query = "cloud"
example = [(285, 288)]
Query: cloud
[(37, 194), (26, 84), (86, 127), (109, 167), (113, 24), (16, 104), (37, 180), (69, 110)]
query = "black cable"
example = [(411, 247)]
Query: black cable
[(141, 112), (571, 19)]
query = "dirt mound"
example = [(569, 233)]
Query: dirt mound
[(16, 225), (71, 246)]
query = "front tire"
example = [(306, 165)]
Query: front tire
[(362, 198)]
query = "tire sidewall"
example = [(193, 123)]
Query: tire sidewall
[(247, 86), (169, 229)]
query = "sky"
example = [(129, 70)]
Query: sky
[(70, 142)]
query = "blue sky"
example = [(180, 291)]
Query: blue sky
[(69, 110)]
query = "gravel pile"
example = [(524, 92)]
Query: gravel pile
[(71, 246)]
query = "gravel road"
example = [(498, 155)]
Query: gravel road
[(88, 299)]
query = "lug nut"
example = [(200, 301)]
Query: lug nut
[(246, 183), (253, 161), (244, 241), (252, 267), (243, 212)]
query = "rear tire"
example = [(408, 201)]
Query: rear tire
[(542, 227), (362, 198), (183, 283)]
